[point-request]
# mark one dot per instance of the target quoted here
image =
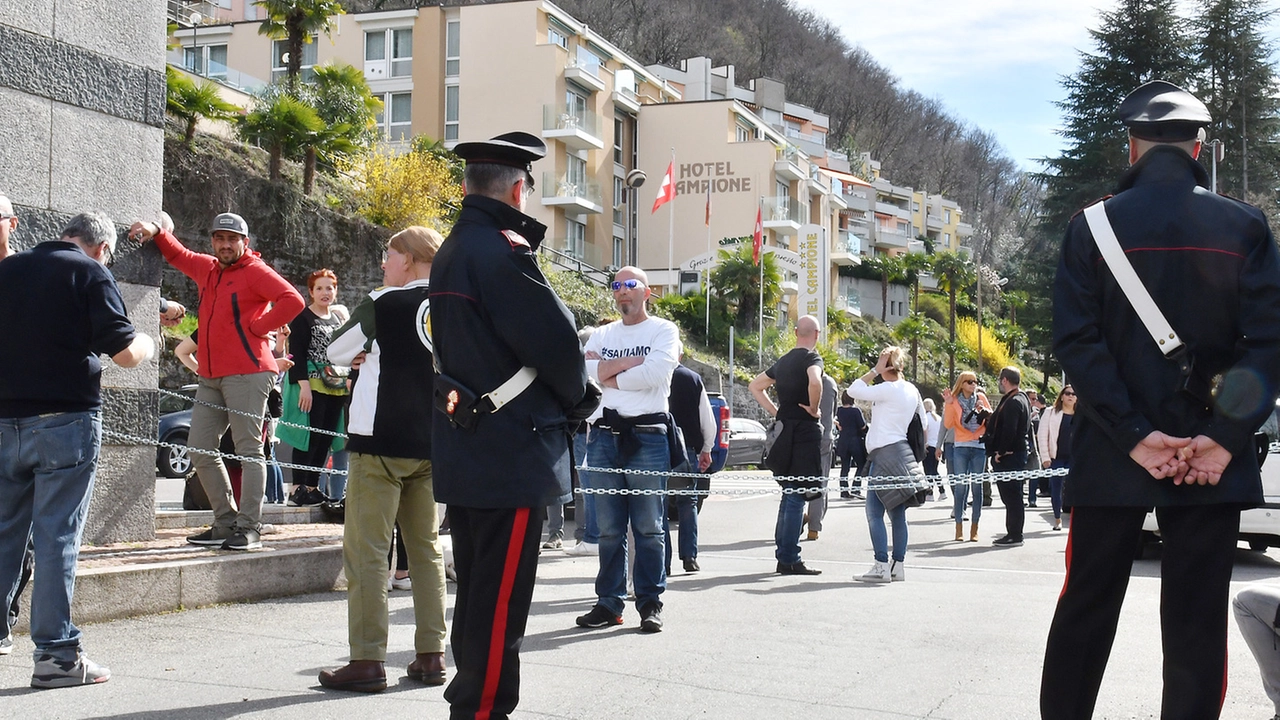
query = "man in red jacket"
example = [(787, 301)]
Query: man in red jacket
[(241, 300)]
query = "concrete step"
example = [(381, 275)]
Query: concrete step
[(168, 574)]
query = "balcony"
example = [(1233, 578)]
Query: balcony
[(579, 257), (964, 230), (787, 164), (782, 215), (626, 99), (891, 239), (577, 129), (575, 197), (817, 184), (850, 303), (585, 71), (848, 249), (933, 222)]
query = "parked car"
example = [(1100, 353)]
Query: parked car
[(175, 425), (746, 443)]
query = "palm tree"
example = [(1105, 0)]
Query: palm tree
[(189, 102), (955, 271), (340, 94), (737, 280), (913, 328), (283, 125), (913, 264), (890, 268), (295, 21)]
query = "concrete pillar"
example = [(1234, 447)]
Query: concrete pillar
[(82, 99)]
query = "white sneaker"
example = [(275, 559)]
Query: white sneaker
[(879, 573), (403, 583), (896, 573), (390, 587), (584, 548)]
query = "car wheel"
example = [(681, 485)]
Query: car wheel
[(1258, 545), (174, 462)]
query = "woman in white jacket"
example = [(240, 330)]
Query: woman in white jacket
[(1054, 443)]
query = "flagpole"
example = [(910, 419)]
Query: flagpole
[(671, 238), (707, 330), (760, 323)]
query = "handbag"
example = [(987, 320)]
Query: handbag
[(916, 438), (334, 377)]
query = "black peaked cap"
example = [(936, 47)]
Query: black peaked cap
[(514, 149), (1163, 112)]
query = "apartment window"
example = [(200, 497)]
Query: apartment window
[(576, 242), (619, 251), (379, 63), (617, 140), (207, 60), (619, 200), (576, 172), (450, 112), (946, 214), (555, 37), (279, 59), (576, 106), (946, 238), (396, 119), (773, 117), (793, 128), (744, 133), (452, 48)]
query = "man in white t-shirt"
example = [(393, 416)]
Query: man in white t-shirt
[(632, 359)]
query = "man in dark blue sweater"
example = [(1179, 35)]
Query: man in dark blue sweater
[(60, 309)]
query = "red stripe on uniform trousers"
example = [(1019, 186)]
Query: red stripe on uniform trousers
[(497, 640), (1222, 700), (1071, 531)]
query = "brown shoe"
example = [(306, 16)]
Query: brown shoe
[(366, 676), (813, 534), (428, 668)]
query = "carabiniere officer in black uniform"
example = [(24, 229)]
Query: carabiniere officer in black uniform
[(509, 395), (1174, 433)]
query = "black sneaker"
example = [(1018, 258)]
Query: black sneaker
[(796, 569), (212, 536), (303, 496), (600, 616), (243, 540), (651, 618), (691, 565), (1007, 541)]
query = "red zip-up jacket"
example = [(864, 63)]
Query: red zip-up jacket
[(234, 319)]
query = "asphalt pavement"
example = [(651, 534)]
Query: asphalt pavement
[(961, 638)]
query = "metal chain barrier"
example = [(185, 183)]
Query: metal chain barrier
[(816, 482), (139, 440), (192, 399)]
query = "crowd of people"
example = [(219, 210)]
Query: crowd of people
[(466, 348)]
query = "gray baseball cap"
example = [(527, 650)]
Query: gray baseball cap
[(232, 222)]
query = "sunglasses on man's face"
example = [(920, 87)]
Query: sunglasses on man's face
[(617, 285)]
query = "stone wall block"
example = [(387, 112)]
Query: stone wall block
[(124, 496), (24, 149), (104, 163), (32, 15), (130, 31)]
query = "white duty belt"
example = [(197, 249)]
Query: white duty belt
[(1148, 312), (511, 389)]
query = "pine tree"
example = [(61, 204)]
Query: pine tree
[(1139, 41), (1239, 86)]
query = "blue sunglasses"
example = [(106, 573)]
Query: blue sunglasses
[(617, 285)]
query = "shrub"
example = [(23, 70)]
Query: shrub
[(995, 354)]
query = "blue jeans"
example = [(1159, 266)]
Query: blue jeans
[(644, 512), (686, 514), (1055, 489), (584, 505), (333, 484), (47, 467), (879, 539), (275, 477), (786, 533), (967, 460)]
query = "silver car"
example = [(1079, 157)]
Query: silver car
[(746, 443)]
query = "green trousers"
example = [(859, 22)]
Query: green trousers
[(380, 492)]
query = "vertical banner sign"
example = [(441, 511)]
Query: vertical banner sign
[(811, 246)]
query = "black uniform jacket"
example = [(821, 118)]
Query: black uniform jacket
[(1211, 265), (493, 312)]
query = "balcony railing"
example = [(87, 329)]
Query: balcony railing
[(782, 210), (577, 128), (216, 71), (576, 195)]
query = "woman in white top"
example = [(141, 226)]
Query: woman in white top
[(932, 429), (893, 403), (1054, 444)]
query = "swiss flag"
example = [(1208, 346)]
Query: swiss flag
[(667, 190), (758, 239)]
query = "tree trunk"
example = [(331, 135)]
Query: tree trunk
[(951, 351), (273, 165), (294, 67), (191, 131), (884, 298), (309, 171)]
